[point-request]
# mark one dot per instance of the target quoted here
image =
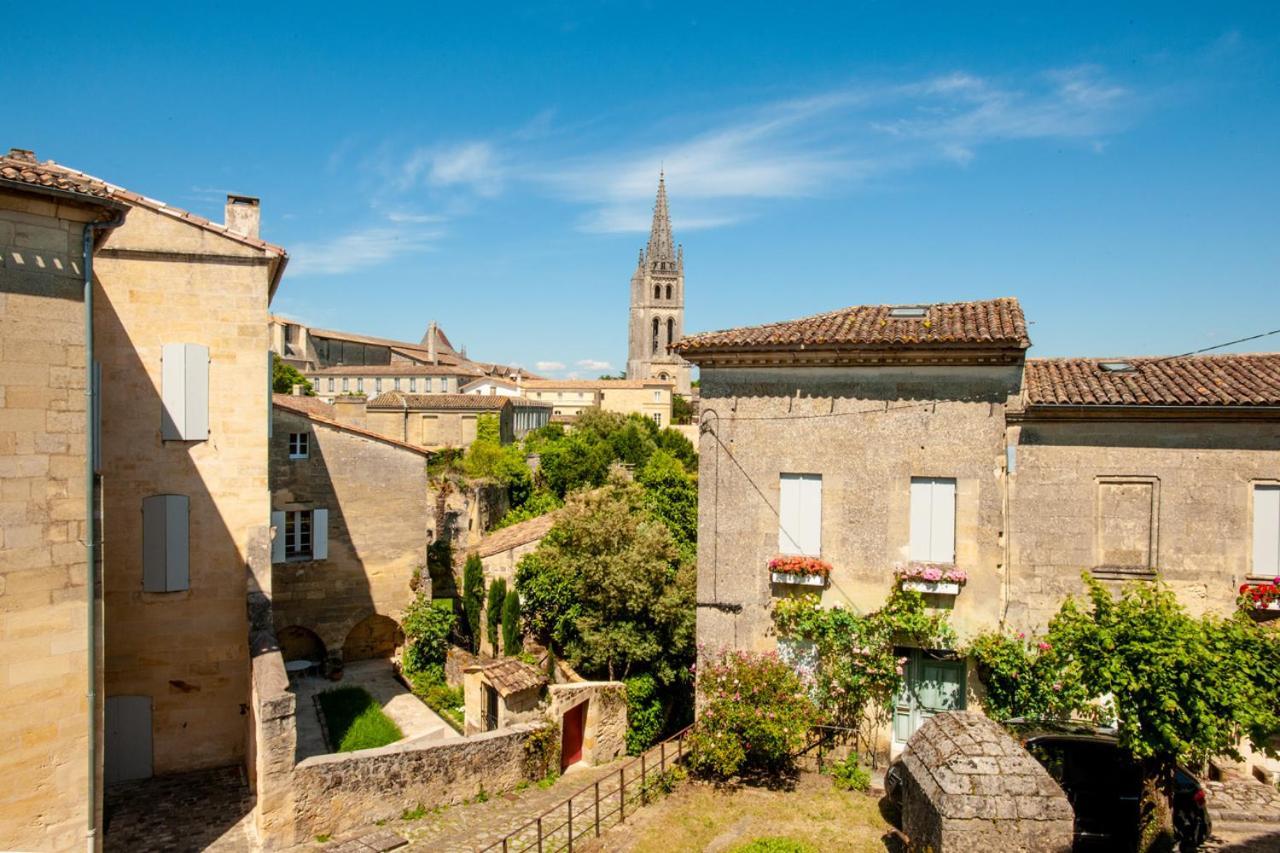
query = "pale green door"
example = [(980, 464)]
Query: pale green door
[(929, 686)]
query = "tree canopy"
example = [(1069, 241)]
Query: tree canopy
[(285, 376)]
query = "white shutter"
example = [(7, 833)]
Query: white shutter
[(319, 534), (921, 518), (789, 514), (165, 565), (184, 381), (811, 514), (1266, 531), (277, 537), (942, 538)]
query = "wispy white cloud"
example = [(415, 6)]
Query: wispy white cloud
[(548, 366), (593, 364), (472, 165), (361, 248)]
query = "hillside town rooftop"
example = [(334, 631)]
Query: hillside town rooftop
[(461, 402), (1206, 380)]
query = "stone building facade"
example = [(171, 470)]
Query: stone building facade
[(439, 420), (45, 716), (366, 504), (657, 306), (884, 439), (650, 398)]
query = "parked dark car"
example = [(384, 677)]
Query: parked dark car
[(1102, 783)]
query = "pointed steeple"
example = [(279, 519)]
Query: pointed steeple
[(661, 253)]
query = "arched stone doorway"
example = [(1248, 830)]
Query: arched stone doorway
[(298, 643), (373, 637)]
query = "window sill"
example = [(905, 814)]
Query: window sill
[(299, 558), (292, 456)]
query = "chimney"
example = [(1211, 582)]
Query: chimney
[(431, 343), (26, 155), (243, 214), (297, 390)]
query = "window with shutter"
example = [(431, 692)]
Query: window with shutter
[(933, 519), (165, 547), (277, 537), (800, 514), (184, 391), (1266, 530), (299, 445)]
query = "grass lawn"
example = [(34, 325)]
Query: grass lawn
[(356, 720), (698, 816)]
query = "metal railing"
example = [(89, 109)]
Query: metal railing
[(581, 813)]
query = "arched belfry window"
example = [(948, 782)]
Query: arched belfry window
[(655, 335), (668, 291), (671, 333), (657, 291)]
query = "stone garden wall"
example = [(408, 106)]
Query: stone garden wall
[(970, 788)]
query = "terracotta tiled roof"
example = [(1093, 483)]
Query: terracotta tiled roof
[(49, 174), (1207, 380), (401, 369), (304, 405), (507, 538), (433, 402), (287, 402), (509, 675), (21, 167), (594, 384), (990, 323)]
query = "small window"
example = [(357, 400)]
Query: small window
[(657, 418), (165, 552), (668, 291), (800, 514), (413, 384), (360, 385), (184, 379), (657, 396), (397, 383), (1266, 530), (346, 384), (933, 519), (330, 383), (908, 312), (298, 445), (657, 291), (377, 386), (1116, 367)]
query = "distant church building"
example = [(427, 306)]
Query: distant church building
[(657, 305)]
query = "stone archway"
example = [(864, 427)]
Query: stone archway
[(298, 643), (375, 636)]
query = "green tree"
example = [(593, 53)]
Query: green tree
[(511, 623), (674, 442), (493, 613), (671, 496), (609, 588), (473, 599), (488, 458), (580, 460), (539, 503), (681, 411), (427, 624), (285, 376)]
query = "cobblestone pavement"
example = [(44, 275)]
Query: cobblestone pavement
[(205, 810), (1246, 816)]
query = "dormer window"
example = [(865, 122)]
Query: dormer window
[(1117, 366), (908, 312)]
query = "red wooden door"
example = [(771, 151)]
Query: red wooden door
[(575, 721)]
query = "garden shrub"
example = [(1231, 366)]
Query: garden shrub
[(427, 624), (757, 715), (1026, 677), (645, 715), (850, 775)]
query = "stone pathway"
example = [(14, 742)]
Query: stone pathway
[(205, 810), (1246, 816)]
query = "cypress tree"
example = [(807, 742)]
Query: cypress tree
[(473, 598), (511, 623), (493, 612)]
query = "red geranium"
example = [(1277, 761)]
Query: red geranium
[(798, 564), (1259, 595)]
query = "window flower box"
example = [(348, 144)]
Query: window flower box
[(800, 570), (931, 578), (1263, 595)]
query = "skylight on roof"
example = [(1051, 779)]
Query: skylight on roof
[(908, 312), (1117, 366)]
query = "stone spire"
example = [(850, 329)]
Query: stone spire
[(661, 253)]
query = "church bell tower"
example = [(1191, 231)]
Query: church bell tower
[(657, 305)]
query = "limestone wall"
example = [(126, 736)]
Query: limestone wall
[(333, 793), (380, 511), (774, 421), (604, 735), (164, 281), (44, 716), (1188, 487)]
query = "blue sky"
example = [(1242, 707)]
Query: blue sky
[(1117, 169)]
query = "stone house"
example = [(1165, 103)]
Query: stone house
[(353, 513), (571, 397), (438, 420), (501, 550), (49, 225), (179, 405), (886, 438)]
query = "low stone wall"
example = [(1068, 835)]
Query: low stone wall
[(456, 660), (334, 793), (605, 733), (970, 788)]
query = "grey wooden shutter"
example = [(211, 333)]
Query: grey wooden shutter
[(277, 537), (319, 534), (165, 543), (184, 390)]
